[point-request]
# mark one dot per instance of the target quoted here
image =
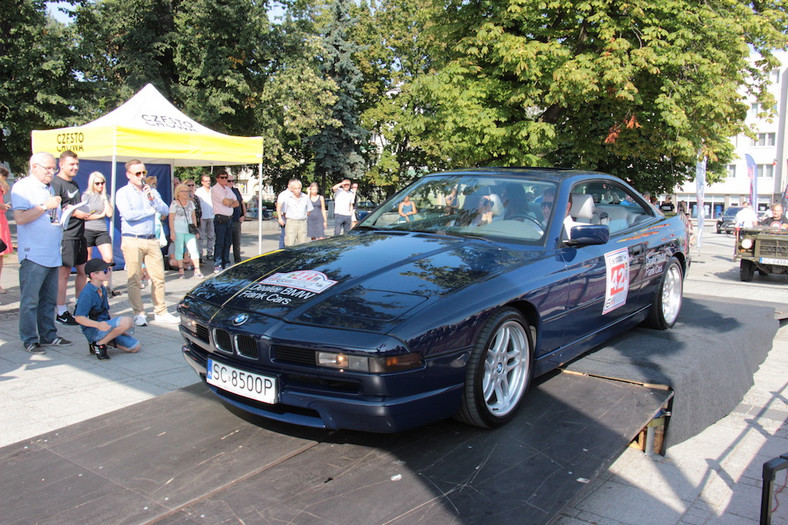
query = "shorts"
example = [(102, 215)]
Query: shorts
[(124, 339), (97, 238), (74, 252)]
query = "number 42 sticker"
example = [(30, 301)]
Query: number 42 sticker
[(617, 279)]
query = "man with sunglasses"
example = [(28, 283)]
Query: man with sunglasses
[(224, 202), (74, 249), (138, 204), (37, 214)]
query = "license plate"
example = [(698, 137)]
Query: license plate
[(247, 384), (772, 260)]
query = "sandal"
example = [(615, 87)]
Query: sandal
[(198, 275), (181, 275)]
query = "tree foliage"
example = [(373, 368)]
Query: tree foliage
[(338, 147), (636, 88), (36, 76), (395, 48)]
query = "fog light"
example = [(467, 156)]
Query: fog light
[(189, 323)]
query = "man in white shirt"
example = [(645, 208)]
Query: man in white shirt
[(224, 201), (207, 238), (343, 207), (746, 217), (295, 207)]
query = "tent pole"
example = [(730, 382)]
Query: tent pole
[(113, 176), (260, 208)]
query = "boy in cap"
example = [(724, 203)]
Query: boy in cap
[(92, 313)]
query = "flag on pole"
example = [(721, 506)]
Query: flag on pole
[(752, 174), (700, 197)]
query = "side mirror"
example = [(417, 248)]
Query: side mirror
[(588, 234)]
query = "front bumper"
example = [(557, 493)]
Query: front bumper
[(303, 407)]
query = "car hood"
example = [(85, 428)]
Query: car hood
[(363, 280)]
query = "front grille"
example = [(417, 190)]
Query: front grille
[(776, 248), (293, 354), (202, 333), (246, 345), (223, 341)]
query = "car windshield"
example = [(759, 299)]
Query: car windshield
[(513, 208), (731, 212)]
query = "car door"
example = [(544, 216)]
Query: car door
[(606, 279)]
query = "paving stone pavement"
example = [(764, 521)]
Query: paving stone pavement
[(714, 477)]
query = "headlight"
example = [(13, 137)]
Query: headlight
[(377, 365), (746, 244)]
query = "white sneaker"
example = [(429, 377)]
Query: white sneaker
[(140, 320), (166, 317)]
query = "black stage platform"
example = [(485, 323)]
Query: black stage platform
[(186, 458)]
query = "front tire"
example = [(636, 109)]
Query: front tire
[(498, 372), (746, 270), (667, 300)]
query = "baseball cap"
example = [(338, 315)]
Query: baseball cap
[(97, 265)]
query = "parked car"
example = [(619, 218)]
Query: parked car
[(762, 250), (727, 221), (403, 322), (364, 208)]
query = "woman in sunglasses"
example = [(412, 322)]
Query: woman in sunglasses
[(96, 225)]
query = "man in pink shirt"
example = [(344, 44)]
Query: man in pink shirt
[(224, 201)]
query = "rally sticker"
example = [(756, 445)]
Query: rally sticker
[(285, 288), (617, 279), (308, 280)]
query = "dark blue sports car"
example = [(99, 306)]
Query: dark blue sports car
[(446, 305)]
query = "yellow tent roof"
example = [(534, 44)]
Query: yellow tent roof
[(151, 129)]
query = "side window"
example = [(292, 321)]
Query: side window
[(614, 205)]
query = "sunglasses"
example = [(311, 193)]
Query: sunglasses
[(99, 183), (547, 204), (140, 173), (105, 270), (223, 177)]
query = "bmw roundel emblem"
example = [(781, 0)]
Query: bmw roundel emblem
[(240, 319)]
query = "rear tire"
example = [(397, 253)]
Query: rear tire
[(498, 372), (746, 270), (667, 300)]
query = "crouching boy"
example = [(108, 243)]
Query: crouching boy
[(92, 313)]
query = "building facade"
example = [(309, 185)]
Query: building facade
[(768, 150)]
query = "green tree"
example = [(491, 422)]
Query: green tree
[(36, 73), (124, 45), (222, 61), (636, 88), (395, 43), (338, 148)]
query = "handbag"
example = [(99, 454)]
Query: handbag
[(192, 227)]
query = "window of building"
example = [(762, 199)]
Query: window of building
[(764, 139), (731, 171), (775, 74), (765, 170)]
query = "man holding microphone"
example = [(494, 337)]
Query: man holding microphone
[(137, 204)]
